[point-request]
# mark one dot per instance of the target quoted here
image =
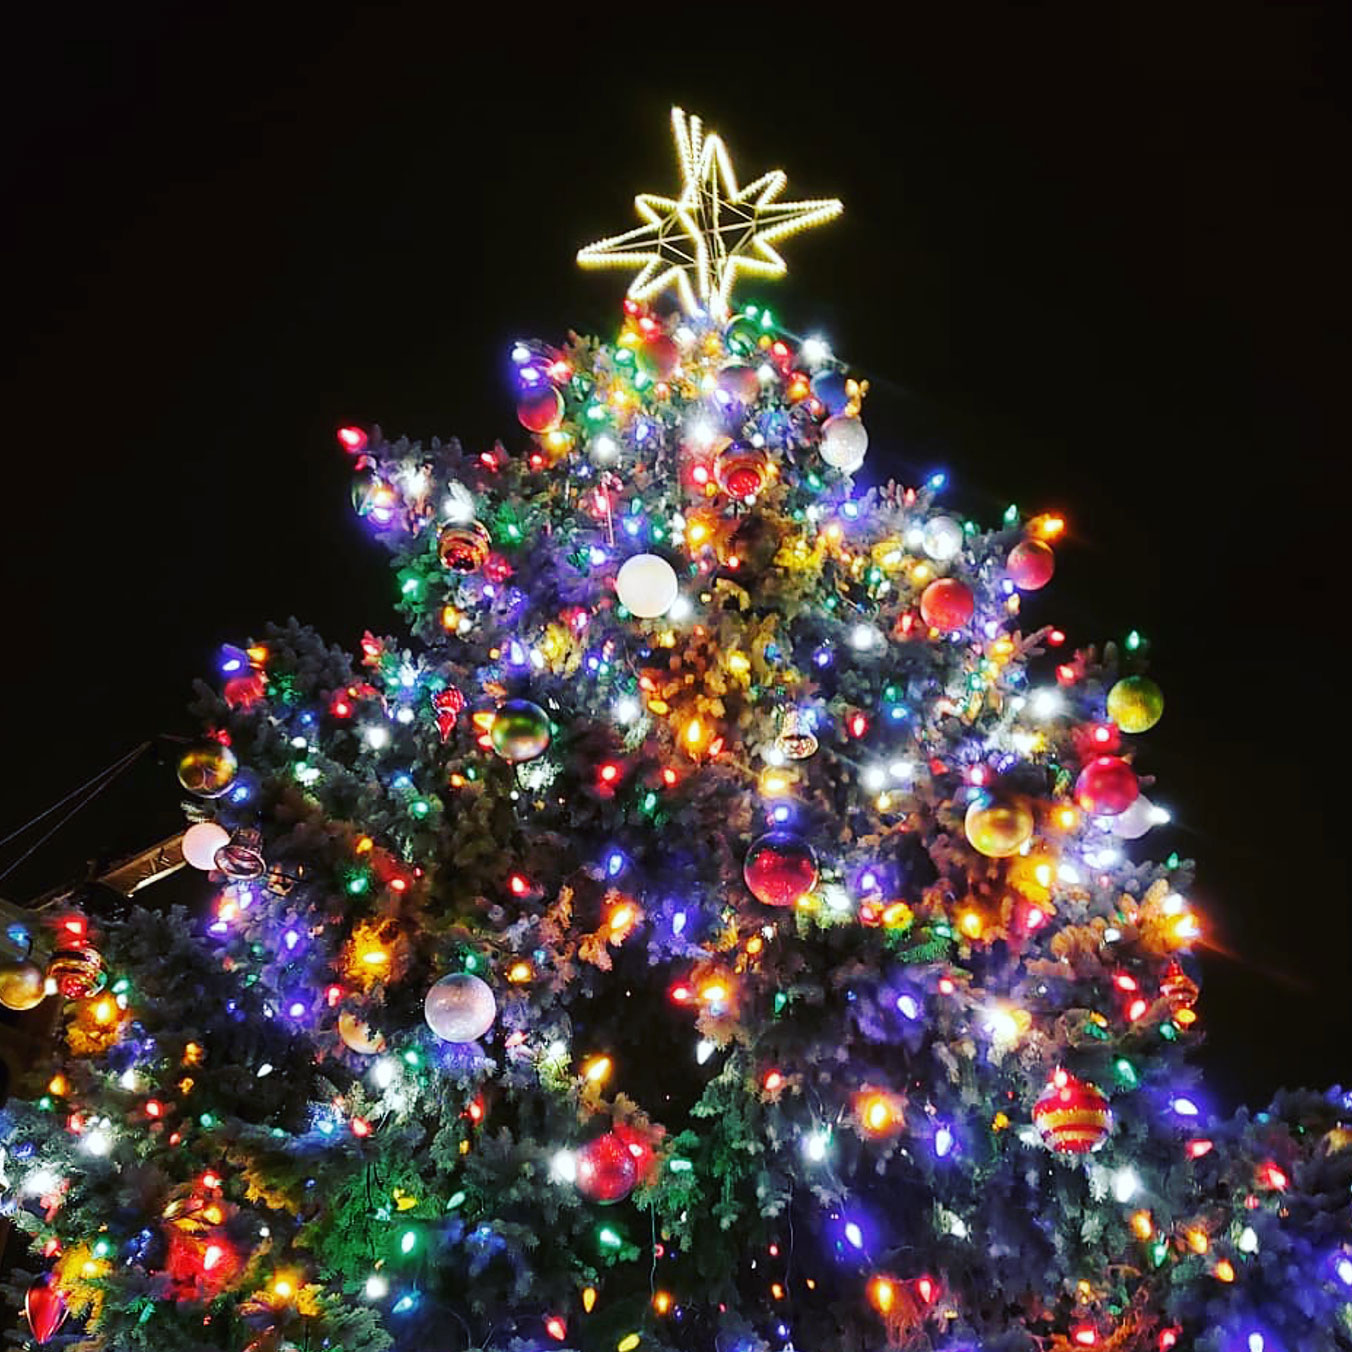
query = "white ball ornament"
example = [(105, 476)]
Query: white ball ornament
[(942, 538), (646, 585), (844, 441), (1136, 820), (200, 843), (460, 1008)]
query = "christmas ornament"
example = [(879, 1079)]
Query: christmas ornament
[(241, 857), (540, 410), (844, 442), (200, 843), (520, 731), (830, 390), (1072, 1116), (22, 984), (207, 769), (606, 1169), (460, 1008), (688, 241), (780, 869), (942, 538), (646, 585), (1136, 820), (358, 1035), (243, 692), (1135, 704), (45, 1307), (1178, 989), (1000, 828), (795, 738), (463, 546), (741, 334), (1106, 786), (77, 970), (1031, 564), (660, 357), (739, 381), (448, 705), (946, 604), (741, 471)]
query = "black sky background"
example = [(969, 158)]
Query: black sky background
[(1092, 260)]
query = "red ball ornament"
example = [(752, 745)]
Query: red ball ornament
[(780, 869), (540, 410), (77, 970), (660, 357), (1106, 786), (946, 604), (741, 471), (45, 1307), (1031, 564), (606, 1169), (1072, 1116)]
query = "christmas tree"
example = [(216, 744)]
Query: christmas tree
[(718, 923)]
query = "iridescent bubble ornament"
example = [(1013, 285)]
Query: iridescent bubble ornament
[(520, 731), (207, 769)]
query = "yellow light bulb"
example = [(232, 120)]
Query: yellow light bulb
[(597, 1070)]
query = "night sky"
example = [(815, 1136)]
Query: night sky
[(1096, 263)]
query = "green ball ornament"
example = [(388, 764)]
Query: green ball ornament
[(742, 335), (520, 731), (207, 769), (1135, 704)]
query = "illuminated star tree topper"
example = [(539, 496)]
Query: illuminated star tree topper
[(702, 239)]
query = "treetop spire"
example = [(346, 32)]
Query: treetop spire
[(700, 240)]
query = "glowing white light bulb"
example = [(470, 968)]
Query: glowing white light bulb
[(377, 737), (626, 709), (1045, 703), (814, 1146), (814, 351), (382, 1073), (563, 1167), (377, 1288), (1126, 1183), (704, 1049), (873, 777)]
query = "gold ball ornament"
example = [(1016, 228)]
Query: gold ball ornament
[(22, 985), (1000, 828), (1135, 704), (207, 769), (463, 548), (358, 1035)]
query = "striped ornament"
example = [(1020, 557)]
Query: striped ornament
[(1072, 1116)]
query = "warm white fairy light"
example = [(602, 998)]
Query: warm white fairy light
[(700, 241)]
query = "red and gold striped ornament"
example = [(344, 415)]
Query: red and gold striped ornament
[(1072, 1116)]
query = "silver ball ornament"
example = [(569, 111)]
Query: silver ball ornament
[(844, 441), (460, 1008)]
